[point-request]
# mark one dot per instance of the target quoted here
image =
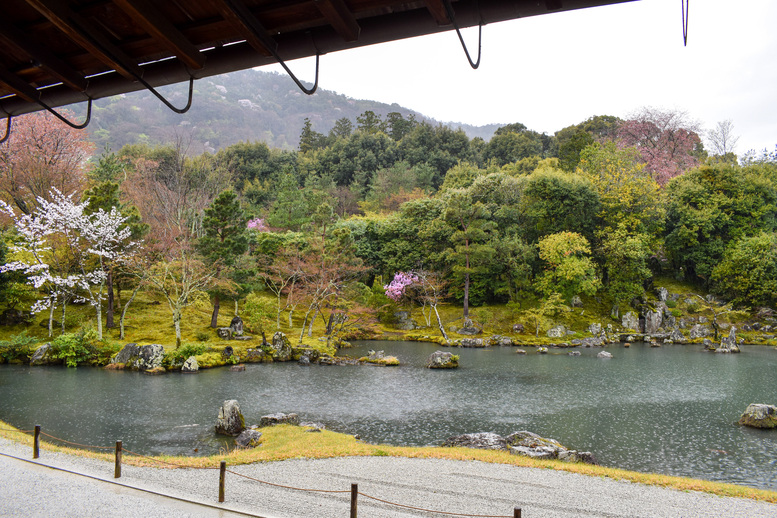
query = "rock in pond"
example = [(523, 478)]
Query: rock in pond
[(279, 418), (230, 421), (142, 358), (249, 438), (759, 416), (604, 354), (442, 360), (190, 365)]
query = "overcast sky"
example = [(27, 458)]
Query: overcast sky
[(558, 69)]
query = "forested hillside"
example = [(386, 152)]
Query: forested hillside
[(242, 106)]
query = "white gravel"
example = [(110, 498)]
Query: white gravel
[(465, 487)]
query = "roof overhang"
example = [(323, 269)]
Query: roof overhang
[(61, 52)]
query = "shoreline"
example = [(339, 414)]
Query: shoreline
[(465, 486)]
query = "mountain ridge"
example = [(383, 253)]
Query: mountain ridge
[(249, 105)]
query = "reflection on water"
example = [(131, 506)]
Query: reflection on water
[(671, 410)]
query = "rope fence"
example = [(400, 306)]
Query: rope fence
[(354, 491)]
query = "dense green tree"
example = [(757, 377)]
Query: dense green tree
[(470, 252), (713, 206), (225, 239), (747, 273), (510, 146), (310, 139), (370, 122), (624, 257), (555, 201), (342, 129), (569, 269), (397, 126)]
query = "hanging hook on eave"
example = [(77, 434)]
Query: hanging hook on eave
[(451, 16), (165, 101), (309, 91), (7, 131), (63, 119), (684, 4)]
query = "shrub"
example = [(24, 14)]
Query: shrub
[(17, 348), (676, 313), (75, 348), (180, 355), (671, 303), (692, 307), (202, 336)]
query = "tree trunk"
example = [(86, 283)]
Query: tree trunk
[(62, 323), (466, 293), (439, 323), (109, 310), (214, 319), (99, 309), (177, 323), (51, 317), (236, 308), (124, 311), (312, 321)]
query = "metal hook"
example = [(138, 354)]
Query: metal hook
[(684, 5), (167, 103), (7, 131), (63, 119), (451, 16), (309, 91)]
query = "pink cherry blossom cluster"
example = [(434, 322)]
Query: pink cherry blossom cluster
[(257, 224), (396, 288)]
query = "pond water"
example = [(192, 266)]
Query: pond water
[(671, 410)]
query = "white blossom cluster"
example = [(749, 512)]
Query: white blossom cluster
[(93, 240)]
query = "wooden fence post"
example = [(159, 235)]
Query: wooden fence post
[(117, 466), (222, 479), (517, 512), (354, 497), (36, 443)]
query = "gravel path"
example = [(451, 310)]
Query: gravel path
[(465, 487)]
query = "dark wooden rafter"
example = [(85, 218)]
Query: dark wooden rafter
[(59, 52), (149, 17), (41, 56), (437, 10), (243, 20), (87, 36), (340, 17), (18, 85)]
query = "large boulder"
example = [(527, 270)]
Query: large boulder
[(190, 365), (699, 331), (274, 419), (677, 336), (557, 332), (281, 347), (404, 322), (230, 420), (236, 326), (224, 333), (630, 321), (472, 342), (759, 416), (140, 357), (42, 355), (604, 354), (482, 441), (653, 321), (249, 438), (442, 360), (595, 328), (728, 344)]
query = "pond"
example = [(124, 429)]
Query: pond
[(670, 410)]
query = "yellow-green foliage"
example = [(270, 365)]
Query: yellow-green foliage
[(285, 442), (388, 361)]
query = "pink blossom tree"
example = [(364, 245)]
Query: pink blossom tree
[(667, 141)]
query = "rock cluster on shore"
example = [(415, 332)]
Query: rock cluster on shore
[(523, 443)]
